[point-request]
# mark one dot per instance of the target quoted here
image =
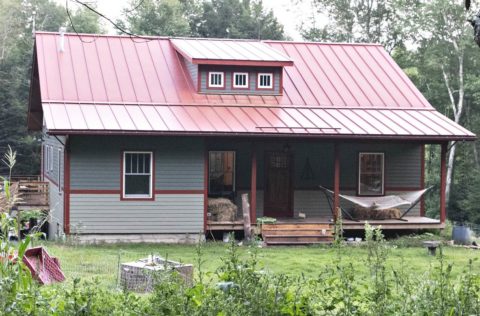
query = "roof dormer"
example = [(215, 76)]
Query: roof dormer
[(233, 67)]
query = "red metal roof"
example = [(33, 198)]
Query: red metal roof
[(117, 83), (249, 120), (230, 52)]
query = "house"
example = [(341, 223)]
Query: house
[(139, 132)]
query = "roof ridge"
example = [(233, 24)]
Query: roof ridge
[(153, 37), (323, 43)]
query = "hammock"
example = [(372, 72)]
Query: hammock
[(409, 199)]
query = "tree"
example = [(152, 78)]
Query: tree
[(16, 47), (157, 17), (85, 21), (215, 18), (372, 21), (445, 45), (238, 19)]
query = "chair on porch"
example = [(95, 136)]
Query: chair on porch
[(409, 199)]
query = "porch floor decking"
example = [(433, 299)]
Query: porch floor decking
[(409, 222)]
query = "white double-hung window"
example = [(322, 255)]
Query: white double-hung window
[(215, 79), (138, 174), (240, 80), (265, 80)]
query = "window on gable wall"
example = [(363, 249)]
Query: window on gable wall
[(59, 171), (221, 175), (137, 174), (50, 159), (240, 79), (265, 80), (371, 175), (48, 163), (215, 79), (45, 155)]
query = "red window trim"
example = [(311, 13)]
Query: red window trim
[(234, 166), (359, 169), (233, 80), (152, 178), (258, 81), (214, 87)]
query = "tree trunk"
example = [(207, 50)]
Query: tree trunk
[(475, 155), (457, 108), (450, 163)]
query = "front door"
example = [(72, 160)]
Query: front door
[(278, 184)]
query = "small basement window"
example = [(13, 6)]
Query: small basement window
[(215, 79), (137, 174), (240, 79), (265, 80), (221, 174), (371, 173)]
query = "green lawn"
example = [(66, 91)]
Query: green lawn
[(102, 260)]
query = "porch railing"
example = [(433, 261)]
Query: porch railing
[(33, 194)]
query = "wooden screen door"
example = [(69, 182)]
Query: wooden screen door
[(278, 185)]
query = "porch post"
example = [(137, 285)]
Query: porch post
[(336, 182), (422, 179), (443, 183), (66, 186), (253, 187)]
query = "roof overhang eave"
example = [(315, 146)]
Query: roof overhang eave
[(419, 138), (238, 62)]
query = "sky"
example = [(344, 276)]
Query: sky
[(289, 12)]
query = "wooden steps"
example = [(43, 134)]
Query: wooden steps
[(297, 234)]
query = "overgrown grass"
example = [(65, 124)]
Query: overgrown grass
[(90, 261)]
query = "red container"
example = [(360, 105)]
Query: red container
[(44, 268)]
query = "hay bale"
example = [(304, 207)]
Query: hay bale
[(222, 209), (366, 213)]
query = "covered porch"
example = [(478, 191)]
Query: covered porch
[(282, 178)]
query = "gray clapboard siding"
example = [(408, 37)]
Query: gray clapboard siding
[(96, 161), (238, 201), (313, 203), (402, 170), (56, 211), (402, 163), (57, 155), (252, 77), (193, 71), (105, 213), (55, 178)]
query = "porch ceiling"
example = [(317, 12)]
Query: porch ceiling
[(107, 118)]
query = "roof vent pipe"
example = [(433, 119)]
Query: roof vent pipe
[(34, 17), (62, 31)]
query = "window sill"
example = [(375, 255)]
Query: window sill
[(137, 198)]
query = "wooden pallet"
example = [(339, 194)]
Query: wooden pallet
[(297, 234)]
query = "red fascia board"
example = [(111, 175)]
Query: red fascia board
[(438, 138), (239, 62)]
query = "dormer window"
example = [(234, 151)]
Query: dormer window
[(265, 80), (216, 79), (240, 80)]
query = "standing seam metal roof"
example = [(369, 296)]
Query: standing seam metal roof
[(119, 84)]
